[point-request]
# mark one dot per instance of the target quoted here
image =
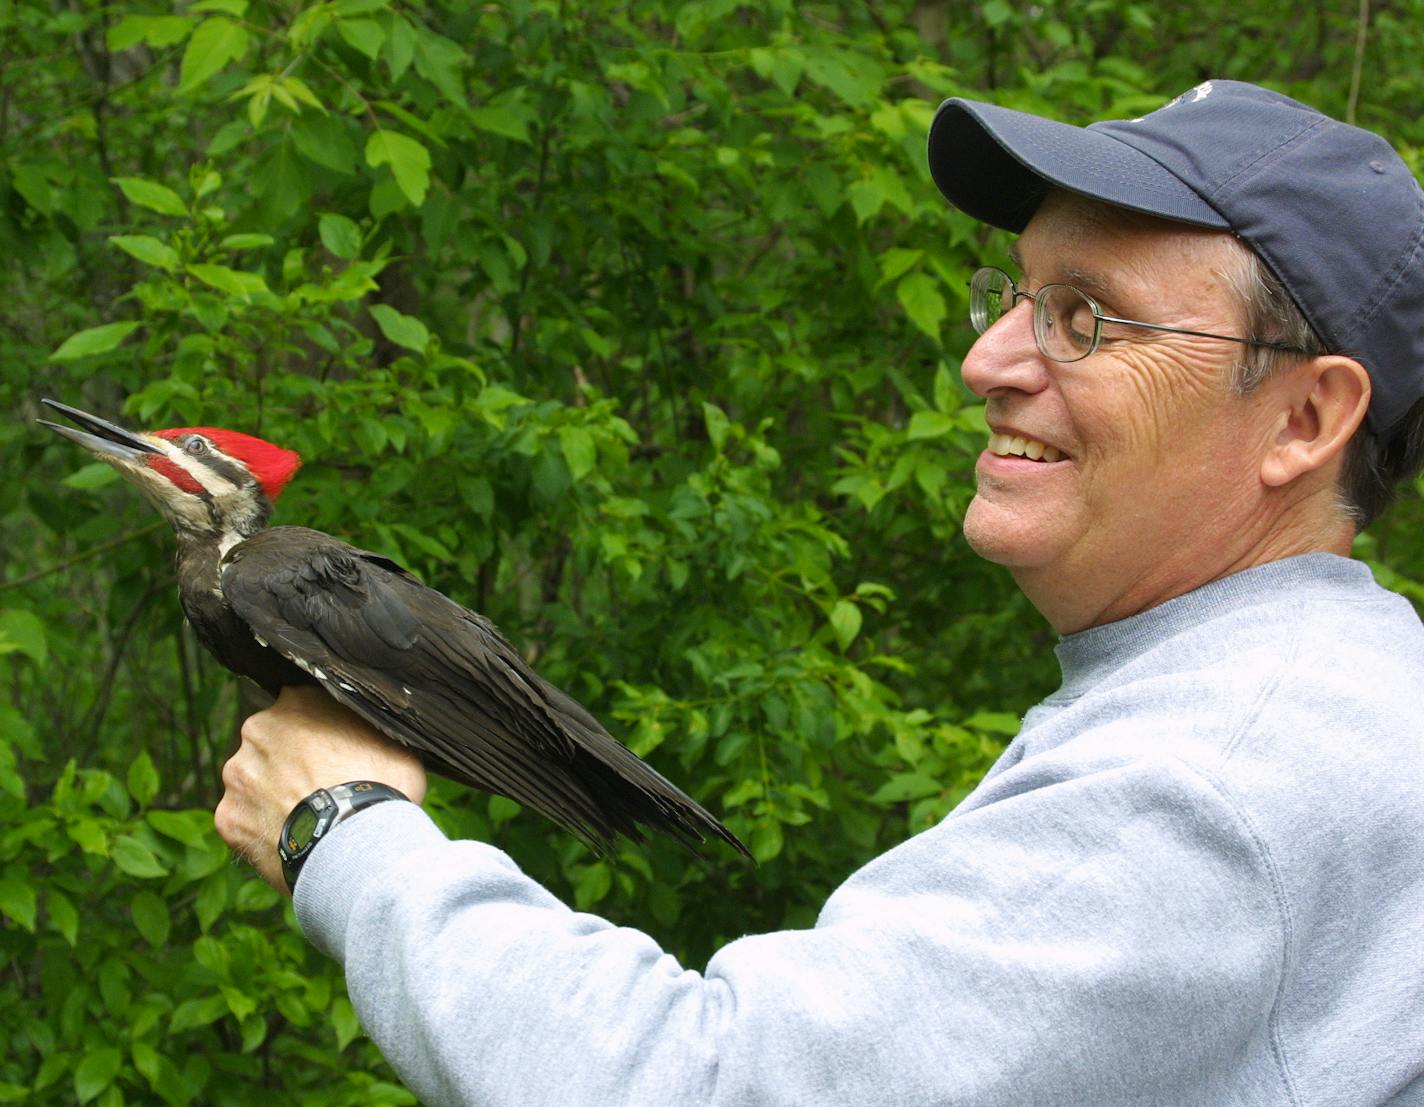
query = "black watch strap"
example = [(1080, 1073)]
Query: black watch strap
[(313, 818)]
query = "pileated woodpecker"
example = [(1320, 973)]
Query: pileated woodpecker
[(291, 606)]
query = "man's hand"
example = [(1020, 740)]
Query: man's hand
[(304, 741)]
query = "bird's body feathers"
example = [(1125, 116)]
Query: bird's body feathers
[(370, 634), (291, 606)]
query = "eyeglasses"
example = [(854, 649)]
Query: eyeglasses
[(1067, 322)]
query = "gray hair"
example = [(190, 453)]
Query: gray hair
[(1375, 463)]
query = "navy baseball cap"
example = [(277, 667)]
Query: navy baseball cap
[(1330, 208)]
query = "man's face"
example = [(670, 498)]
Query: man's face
[(1158, 489)]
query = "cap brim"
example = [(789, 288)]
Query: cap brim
[(997, 165)]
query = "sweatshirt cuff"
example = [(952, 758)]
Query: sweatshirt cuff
[(385, 844)]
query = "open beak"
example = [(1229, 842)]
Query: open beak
[(110, 442)]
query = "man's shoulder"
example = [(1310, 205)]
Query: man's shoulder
[(1284, 686)]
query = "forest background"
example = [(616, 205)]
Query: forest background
[(635, 326)]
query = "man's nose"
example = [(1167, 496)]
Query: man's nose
[(1006, 356)]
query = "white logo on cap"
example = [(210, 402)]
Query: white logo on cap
[(1201, 92)]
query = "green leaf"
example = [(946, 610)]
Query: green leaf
[(344, 1022), (17, 900), (254, 1032), (946, 394), (580, 450), (439, 61), (845, 621), (500, 120), (502, 809), (247, 241), (408, 159), (866, 200), (151, 195), (854, 77), (920, 297), (22, 632), (212, 900), (425, 543), (228, 137), (907, 786), (197, 1012), (403, 330), (297, 90), (996, 722), (238, 1002), (323, 140), (235, 8), (782, 65), (929, 424), (94, 340), (365, 35), (766, 841), (371, 437), (89, 836), (477, 493), (895, 262), (143, 779), (94, 475), (996, 13), (32, 182), (151, 917), (149, 250), (192, 828), (592, 884), (235, 282), (10, 780), (286, 183), (217, 42), (135, 858), (718, 425), (156, 30), (96, 1072), (162, 1075), (340, 235), (256, 895), (400, 46), (63, 916)]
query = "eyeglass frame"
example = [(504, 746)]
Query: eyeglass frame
[(1040, 320)]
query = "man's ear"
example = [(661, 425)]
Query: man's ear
[(1320, 404)]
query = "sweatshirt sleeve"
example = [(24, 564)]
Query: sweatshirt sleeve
[(1107, 935)]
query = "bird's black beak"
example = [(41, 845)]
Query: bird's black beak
[(99, 436)]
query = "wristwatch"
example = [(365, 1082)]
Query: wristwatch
[(314, 817)]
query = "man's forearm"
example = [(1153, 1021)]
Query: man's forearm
[(482, 988)]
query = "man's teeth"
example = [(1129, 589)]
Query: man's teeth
[(1014, 446)]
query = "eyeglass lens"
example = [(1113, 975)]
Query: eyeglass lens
[(1065, 321), (991, 295)]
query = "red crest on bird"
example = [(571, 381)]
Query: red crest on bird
[(272, 466)]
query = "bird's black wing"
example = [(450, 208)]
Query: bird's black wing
[(442, 679)]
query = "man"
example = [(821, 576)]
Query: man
[(1196, 876)]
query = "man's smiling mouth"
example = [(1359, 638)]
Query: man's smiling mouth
[(1006, 445)]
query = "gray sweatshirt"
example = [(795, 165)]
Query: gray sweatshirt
[(1195, 877)]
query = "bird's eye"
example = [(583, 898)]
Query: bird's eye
[(195, 444)]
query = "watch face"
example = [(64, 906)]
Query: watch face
[(300, 833)]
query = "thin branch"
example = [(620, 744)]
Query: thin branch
[(94, 719), (536, 205), (1361, 32), (94, 551)]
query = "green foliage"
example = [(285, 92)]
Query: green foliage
[(636, 327), (146, 967)]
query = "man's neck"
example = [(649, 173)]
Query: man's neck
[(1069, 609)]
